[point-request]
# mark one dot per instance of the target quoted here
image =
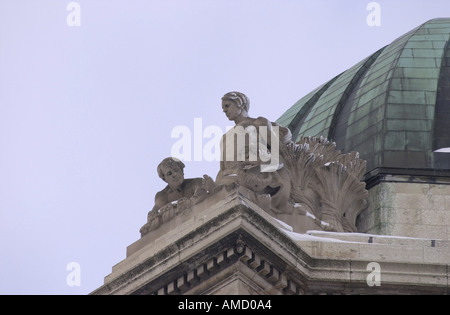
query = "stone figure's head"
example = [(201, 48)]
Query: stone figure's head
[(170, 170), (233, 103)]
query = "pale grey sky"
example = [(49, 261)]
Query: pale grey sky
[(87, 112)]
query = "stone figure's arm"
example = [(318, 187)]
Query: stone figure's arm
[(264, 122), (204, 188), (208, 184), (160, 200), (285, 135)]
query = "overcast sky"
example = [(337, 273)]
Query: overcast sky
[(91, 91)]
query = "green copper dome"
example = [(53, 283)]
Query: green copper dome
[(393, 107)]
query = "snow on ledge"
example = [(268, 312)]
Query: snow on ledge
[(308, 237), (443, 150), (317, 235), (289, 231), (369, 235), (285, 226)]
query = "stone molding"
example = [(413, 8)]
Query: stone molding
[(238, 253)]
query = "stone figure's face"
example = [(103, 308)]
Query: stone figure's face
[(231, 109), (173, 175)]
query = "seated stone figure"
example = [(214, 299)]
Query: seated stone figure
[(250, 152)]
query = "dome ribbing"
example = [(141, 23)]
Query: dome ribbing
[(393, 107)]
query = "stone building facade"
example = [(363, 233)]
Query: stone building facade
[(393, 109)]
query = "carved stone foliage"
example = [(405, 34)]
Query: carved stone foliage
[(327, 182), (317, 179)]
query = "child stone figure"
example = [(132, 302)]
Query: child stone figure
[(180, 193), (185, 191)]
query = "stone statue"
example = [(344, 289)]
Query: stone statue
[(178, 189), (307, 177), (179, 194), (289, 180), (250, 154)]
